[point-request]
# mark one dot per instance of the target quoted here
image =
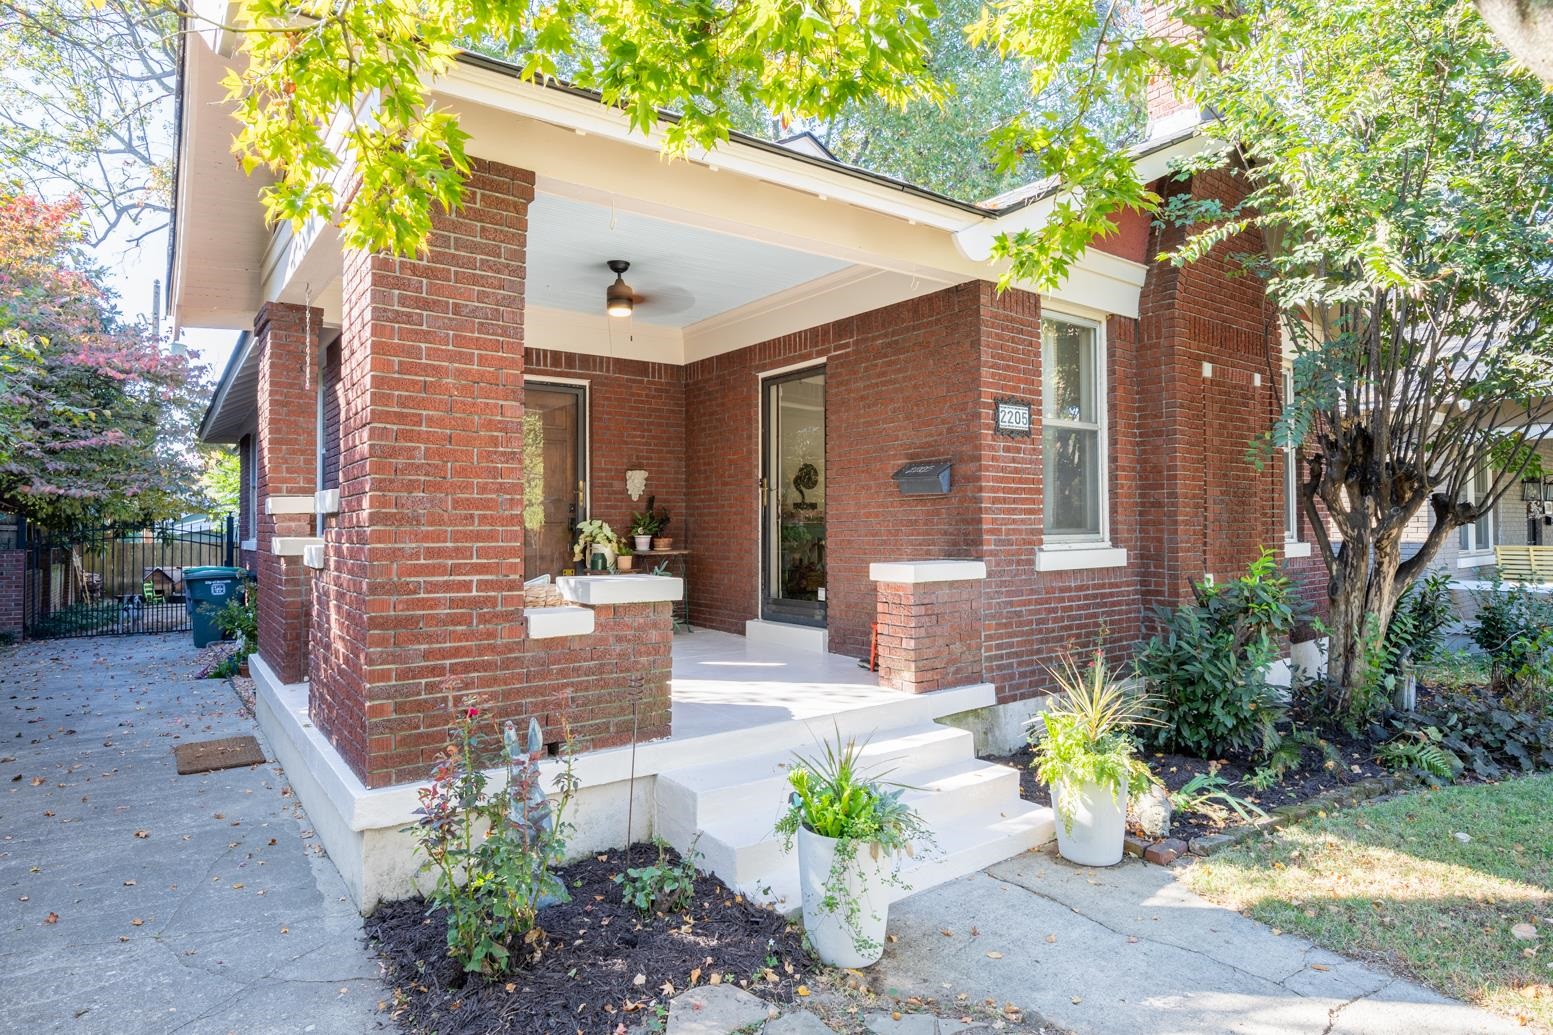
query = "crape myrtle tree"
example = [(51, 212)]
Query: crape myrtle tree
[(1400, 169), (96, 419), (1395, 162)]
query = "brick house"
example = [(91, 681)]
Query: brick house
[(420, 436)]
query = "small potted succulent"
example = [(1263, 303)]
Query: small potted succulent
[(595, 538), (852, 834), (623, 556), (1085, 752)]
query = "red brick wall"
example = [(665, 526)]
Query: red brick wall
[(636, 418), (420, 606), (1210, 508), (287, 467), (929, 635), (900, 386), (1034, 617), (580, 685), (12, 563)]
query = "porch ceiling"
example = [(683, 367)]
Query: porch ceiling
[(682, 274)]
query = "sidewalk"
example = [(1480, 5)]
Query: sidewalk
[(1128, 949), (143, 901)]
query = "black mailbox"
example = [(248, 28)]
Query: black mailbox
[(923, 478)]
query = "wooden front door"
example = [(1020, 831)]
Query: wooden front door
[(554, 482)]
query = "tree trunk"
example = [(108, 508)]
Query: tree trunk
[(1363, 595)]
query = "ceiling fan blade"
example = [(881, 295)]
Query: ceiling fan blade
[(665, 302)]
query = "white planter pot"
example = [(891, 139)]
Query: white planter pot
[(643, 543), (835, 939), (1099, 823)]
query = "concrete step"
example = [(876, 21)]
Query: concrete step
[(964, 846), (698, 795), (728, 810)]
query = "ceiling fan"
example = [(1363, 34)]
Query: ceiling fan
[(621, 300)]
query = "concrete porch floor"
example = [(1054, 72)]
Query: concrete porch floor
[(722, 682)]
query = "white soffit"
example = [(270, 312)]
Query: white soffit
[(682, 274)]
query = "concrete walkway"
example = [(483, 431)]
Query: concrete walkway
[(143, 901), (1129, 949)]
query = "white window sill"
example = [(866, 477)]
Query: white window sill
[(251, 545), (1080, 556), (1476, 559), (1295, 548)]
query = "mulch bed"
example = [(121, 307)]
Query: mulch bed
[(1313, 778), (604, 966)]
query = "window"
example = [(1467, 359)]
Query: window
[(1479, 535), (1073, 446), (1291, 474), (250, 454)]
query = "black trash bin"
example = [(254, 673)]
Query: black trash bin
[(210, 588)]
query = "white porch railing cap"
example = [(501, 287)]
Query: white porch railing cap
[(927, 571)]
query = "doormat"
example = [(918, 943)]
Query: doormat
[(207, 756)]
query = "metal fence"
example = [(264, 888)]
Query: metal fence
[(105, 581)]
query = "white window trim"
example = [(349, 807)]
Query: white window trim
[(1476, 554), (1078, 544), (1291, 480)]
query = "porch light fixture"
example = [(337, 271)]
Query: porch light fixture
[(619, 300)]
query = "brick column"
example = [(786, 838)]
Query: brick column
[(929, 615), (421, 597), (11, 565), (287, 426)]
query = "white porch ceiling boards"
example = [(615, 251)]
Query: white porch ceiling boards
[(682, 274)]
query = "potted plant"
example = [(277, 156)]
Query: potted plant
[(1085, 752), (659, 540), (623, 556), (645, 525), (852, 834), (595, 537)]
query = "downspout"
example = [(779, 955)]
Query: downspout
[(318, 452)]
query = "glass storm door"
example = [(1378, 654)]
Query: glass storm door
[(793, 498), (554, 484)]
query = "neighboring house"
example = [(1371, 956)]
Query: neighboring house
[(808, 348)]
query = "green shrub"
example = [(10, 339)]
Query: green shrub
[(1514, 627), (1416, 635), (1208, 670), (492, 850)]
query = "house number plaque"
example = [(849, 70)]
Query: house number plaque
[(1011, 417)]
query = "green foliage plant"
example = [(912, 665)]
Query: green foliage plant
[(1209, 793), (1085, 736), (1514, 628), (1421, 751), (662, 886), (493, 850), (1491, 737), (832, 796), (1207, 670), (593, 532), (240, 618)]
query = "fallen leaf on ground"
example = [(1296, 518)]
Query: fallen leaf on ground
[(994, 955)]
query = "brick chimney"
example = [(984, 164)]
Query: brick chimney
[(1167, 111)]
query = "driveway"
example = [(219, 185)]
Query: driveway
[(148, 902), (1129, 949)]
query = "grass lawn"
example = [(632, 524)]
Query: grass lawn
[(1392, 883)]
